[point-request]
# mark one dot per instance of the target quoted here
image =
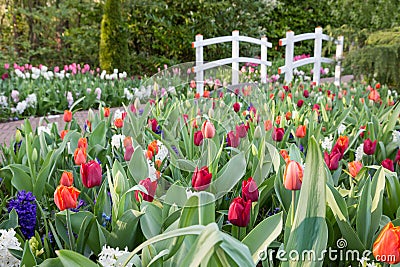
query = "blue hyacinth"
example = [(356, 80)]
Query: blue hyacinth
[(25, 206)]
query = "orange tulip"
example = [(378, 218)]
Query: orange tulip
[(301, 131), (285, 155), (67, 179), (386, 247), (153, 147), (354, 168), (63, 134), (268, 125), (288, 115), (65, 197), (374, 95), (80, 156), (342, 144), (118, 123), (293, 175), (67, 115), (127, 141), (82, 143)]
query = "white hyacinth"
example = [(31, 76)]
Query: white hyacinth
[(116, 140), (152, 171), (70, 99), (396, 136), (162, 151), (97, 91), (128, 95), (341, 129), (3, 101), (109, 257), (43, 129), (8, 241), (359, 152), (118, 114), (327, 143), (31, 100), (21, 106)]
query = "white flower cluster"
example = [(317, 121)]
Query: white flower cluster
[(110, 257), (8, 241), (29, 102), (127, 93), (143, 92), (327, 143), (70, 99), (118, 114), (162, 151), (296, 72), (364, 263), (359, 152), (396, 136), (117, 140), (114, 76), (3, 101), (36, 73)]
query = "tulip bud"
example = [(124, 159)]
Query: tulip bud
[(211, 113), (208, 129), (354, 168), (257, 132), (80, 156), (67, 115), (277, 134), (198, 138), (250, 190), (388, 164), (18, 136), (67, 179), (128, 152), (369, 146), (293, 175), (91, 174), (34, 154), (119, 123), (90, 115), (233, 139), (236, 107), (119, 184)]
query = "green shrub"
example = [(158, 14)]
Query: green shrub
[(379, 59), (113, 41)]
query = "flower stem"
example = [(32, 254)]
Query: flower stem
[(293, 205)]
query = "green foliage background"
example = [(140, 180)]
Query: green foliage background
[(158, 32)]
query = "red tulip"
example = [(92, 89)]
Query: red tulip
[(388, 164), (277, 134), (80, 156), (236, 107), (67, 179), (153, 124), (293, 175), (128, 152), (301, 131), (377, 86), (82, 143), (288, 115), (341, 144), (198, 138), (354, 168), (239, 212), (233, 139), (65, 197), (208, 129), (332, 160), (316, 107), (106, 112), (306, 94), (386, 247), (63, 134), (67, 115), (300, 103), (241, 130), (201, 179), (91, 174), (250, 190), (119, 123), (369, 146), (151, 187), (397, 158)]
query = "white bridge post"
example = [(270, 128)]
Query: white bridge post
[(263, 58), (235, 56), (199, 62), (339, 55), (317, 54)]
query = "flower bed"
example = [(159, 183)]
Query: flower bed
[(182, 179)]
